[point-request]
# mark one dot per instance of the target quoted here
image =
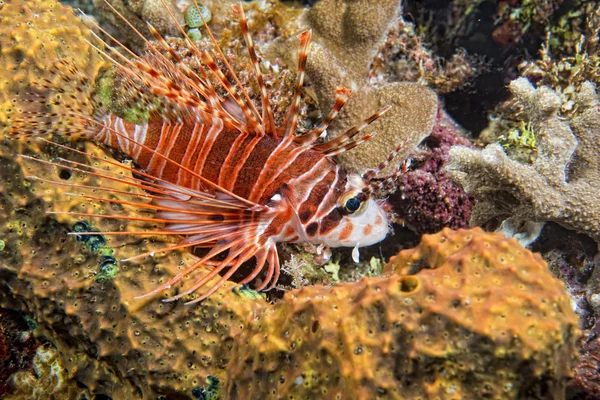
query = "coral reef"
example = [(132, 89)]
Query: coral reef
[(466, 314), (17, 348), (31, 34), (561, 184), (585, 384), (568, 58), (267, 20), (427, 200), (515, 18), (347, 37), (567, 72), (573, 258), (406, 56), (47, 380)]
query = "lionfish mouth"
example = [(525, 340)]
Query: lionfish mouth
[(208, 166)]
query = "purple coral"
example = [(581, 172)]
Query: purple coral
[(428, 200)]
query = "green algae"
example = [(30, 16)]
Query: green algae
[(522, 137), (194, 34), (195, 17), (211, 391), (247, 293)]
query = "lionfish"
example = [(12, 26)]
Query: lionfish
[(222, 175)]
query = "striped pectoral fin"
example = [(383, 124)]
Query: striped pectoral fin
[(267, 111), (341, 97), (240, 242), (289, 125), (350, 138)]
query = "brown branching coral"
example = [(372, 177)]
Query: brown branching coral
[(348, 36), (466, 314), (562, 184)]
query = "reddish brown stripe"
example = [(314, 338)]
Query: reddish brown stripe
[(235, 156), (190, 152), (330, 221), (277, 224), (240, 161), (152, 139), (177, 152), (346, 231), (289, 231), (318, 192), (218, 153), (312, 228), (209, 138), (250, 172), (270, 169), (303, 163)]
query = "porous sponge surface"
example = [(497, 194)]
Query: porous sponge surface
[(34, 35), (464, 315)]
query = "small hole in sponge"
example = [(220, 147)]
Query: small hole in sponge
[(64, 174), (408, 284), (315, 327)]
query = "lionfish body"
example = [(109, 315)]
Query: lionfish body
[(225, 178)]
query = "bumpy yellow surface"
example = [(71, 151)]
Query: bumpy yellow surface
[(33, 35), (465, 315), (109, 342)]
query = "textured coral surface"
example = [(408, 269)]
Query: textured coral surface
[(347, 37), (139, 13), (465, 315), (33, 34), (562, 184)]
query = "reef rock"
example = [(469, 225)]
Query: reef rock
[(47, 380), (465, 315), (562, 184)]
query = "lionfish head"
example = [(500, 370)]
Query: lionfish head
[(363, 220)]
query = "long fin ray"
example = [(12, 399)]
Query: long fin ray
[(347, 137)]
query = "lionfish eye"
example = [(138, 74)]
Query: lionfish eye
[(352, 204)]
